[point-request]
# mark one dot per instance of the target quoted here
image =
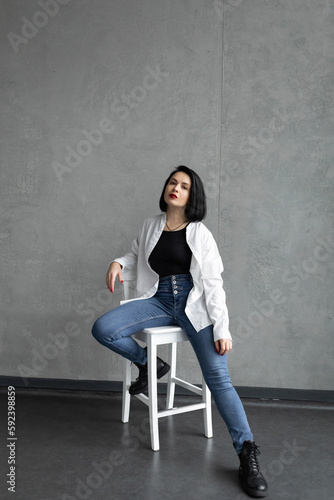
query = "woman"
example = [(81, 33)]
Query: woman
[(179, 282)]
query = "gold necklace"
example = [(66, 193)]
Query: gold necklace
[(175, 227)]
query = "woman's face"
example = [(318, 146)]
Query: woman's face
[(177, 191)]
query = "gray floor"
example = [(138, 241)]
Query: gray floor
[(72, 444)]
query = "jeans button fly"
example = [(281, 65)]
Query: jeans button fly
[(175, 291)]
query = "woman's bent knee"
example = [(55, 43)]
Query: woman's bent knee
[(103, 330), (97, 330)]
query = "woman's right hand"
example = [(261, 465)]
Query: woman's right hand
[(115, 269)]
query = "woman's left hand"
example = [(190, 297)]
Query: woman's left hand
[(223, 346)]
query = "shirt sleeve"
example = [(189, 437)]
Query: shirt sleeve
[(215, 297)]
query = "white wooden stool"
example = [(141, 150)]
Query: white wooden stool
[(153, 337)]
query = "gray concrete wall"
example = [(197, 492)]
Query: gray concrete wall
[(100, 100)]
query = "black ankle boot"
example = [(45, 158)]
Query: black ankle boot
[(249, 472), (141, 383)]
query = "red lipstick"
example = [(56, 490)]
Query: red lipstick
[(173, 195)]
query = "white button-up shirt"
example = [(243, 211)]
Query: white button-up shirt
[(206, 303)]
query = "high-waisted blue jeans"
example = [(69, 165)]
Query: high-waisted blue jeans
[(166, 307)]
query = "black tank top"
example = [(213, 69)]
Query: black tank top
[(171, 255)]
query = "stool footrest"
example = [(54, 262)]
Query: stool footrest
[(181, 409), (178, 381), (143, 398), (187, 385), (172, 411)]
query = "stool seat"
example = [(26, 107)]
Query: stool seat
[(153, 337)]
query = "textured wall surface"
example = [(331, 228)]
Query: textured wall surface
[(100, 100)]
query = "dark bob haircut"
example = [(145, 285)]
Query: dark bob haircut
[(196, 210)]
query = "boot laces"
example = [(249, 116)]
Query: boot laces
[(252, 459)]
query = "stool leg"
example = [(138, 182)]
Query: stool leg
[(207, 410), (153, 393), (171, 376), (126, 395)]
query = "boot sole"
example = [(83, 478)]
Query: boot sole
[(255, 495)]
